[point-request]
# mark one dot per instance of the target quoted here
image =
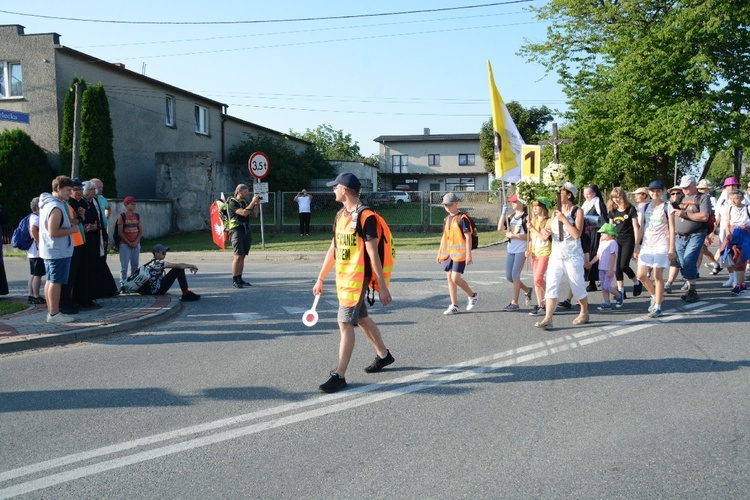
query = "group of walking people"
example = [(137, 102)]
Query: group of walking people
[(597, 241)]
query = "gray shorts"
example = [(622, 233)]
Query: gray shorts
[(352, 314), (241, 239)]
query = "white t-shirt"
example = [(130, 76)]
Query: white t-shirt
[(516, 226), (33, 251), (605, 251), (656, 232), (738, 216), (304, 204)]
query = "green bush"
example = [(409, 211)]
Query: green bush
[(25, 172)]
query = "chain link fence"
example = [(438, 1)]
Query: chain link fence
[(419, 211)]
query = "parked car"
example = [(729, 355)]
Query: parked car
[(399, 197), (375, 200)]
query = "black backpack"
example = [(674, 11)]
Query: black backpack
[(474, 235)]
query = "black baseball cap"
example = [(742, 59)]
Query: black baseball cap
[(346, 179)]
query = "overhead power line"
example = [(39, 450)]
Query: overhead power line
[(266, 21)]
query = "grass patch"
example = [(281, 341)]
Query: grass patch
[(11, 306), (200, 241)]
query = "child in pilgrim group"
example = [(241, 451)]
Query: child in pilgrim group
[(606, 257), (516, 230), (654, 248), (540, 249)]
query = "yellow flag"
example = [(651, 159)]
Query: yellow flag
[(508, 141)]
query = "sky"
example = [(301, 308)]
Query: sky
[(277, 64)]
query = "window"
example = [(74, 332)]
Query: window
[(433, 160), (460, 183), (201, 120), (170, 111), (11, 80), (465, 159), (399, 163)]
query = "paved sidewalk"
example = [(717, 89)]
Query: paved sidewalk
[(29, 329)]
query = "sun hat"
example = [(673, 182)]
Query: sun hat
[(675, 188), (609, 229), (641, 190), (731, 181), (704, 184)]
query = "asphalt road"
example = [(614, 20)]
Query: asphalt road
[(222, 401)]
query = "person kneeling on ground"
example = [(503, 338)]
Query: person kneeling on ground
[(159, 282)]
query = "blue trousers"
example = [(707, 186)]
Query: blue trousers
[(688, 250)]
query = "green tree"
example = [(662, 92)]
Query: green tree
[(290, 170), (66, 133), (97, 150), (530, 123), (25, 172), (332, 144), (647, 81)]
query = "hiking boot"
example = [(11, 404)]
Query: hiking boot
[(244, 283), (452, 309), (607, 306), (655, 313), (618, 299), (237, 284), (511, 307), (190, 297), (691, 296), (566, 304), (335, 383), (668, 287), (736, 290), (637, 289), (380, 363), (472, 302), (59, 318)]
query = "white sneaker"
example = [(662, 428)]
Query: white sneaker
[(451, 310), (729, 283), (59, 318), (472, 302)]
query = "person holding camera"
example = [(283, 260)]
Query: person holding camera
[(240, 212), (304, 201)]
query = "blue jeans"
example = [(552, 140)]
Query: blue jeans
[(688, 250)]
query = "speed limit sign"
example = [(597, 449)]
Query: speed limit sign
[(258, 165)]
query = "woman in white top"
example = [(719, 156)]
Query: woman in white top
[(36, 263), (654, 246), (566, 257)]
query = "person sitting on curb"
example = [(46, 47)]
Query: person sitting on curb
[(159, 283)]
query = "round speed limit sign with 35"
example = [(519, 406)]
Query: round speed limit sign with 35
[(258, 165)]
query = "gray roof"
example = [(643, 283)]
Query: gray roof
[(427, 138)]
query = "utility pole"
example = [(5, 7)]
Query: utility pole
[(76, 166)]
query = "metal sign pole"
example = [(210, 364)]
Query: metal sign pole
[(262, 234)]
